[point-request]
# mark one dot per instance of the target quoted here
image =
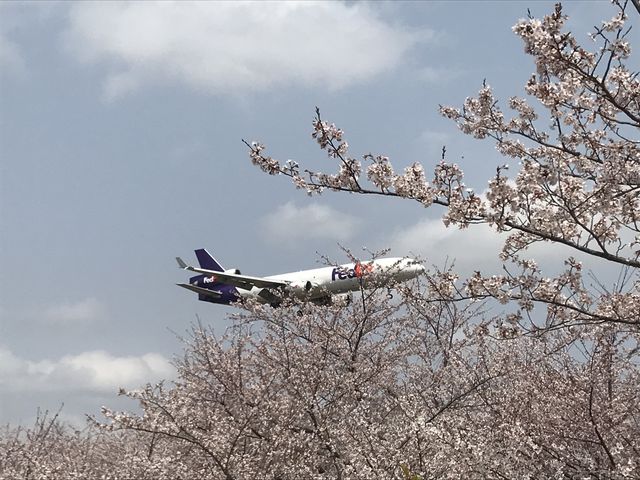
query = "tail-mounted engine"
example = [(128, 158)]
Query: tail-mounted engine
[(234, 271)]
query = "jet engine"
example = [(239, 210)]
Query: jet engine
[(235, 271), (301, 289)]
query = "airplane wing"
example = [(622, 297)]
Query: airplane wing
[(200, 290), (241, 281)]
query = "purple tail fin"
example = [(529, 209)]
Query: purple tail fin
[(207, 261)]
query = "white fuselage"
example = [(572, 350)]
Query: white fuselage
[(326, 281)]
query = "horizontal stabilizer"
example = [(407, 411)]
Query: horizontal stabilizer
[(200, 290), (181, 263)]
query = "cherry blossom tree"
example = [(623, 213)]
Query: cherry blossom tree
[(420, 386), (577, 184), (381, 388), (53, 449)]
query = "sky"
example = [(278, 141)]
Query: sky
[(121, 128)]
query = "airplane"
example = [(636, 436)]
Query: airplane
[(319, 285)]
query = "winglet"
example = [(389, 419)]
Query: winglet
[(181, 263)]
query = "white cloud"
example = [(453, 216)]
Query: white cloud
[(290, 223), (93, 371), (83, 311), (478, 246), (11, 59), (235, 47), (474, 248), (431, 142), (438, 74), (437, 139)]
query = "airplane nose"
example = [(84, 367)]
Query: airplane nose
[(415, 267)]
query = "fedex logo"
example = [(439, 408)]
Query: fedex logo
[(210, 279), (359, 270)]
